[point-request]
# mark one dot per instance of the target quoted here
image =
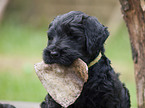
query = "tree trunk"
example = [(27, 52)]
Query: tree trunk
[(134, 16), (3, 4)]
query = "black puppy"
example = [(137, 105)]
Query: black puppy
[(77, 35)]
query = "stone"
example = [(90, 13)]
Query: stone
[(63, 83)]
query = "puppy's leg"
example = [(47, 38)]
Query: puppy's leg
[(49, 103)]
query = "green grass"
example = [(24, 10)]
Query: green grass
[(21, 46), (20, 87), (24, 40)]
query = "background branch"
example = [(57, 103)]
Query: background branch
[(134, 16)]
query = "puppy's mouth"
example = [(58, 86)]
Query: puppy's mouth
[(64, 58)]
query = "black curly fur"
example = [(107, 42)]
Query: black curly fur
[(6, 106), (77, 35)]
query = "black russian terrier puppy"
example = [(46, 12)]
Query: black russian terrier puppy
[(77, 35)]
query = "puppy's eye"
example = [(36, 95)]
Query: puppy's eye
[(50, 37), (75, 37)]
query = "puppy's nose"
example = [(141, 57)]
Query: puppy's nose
[(54, 54)]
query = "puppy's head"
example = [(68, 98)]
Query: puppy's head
[(74, 35)]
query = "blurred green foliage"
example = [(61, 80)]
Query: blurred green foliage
[(21, 46), (21, 39), (20, 87)]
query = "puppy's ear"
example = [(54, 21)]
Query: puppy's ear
[(95, 33)]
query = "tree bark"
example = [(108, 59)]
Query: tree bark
[(134, 16), (3, 4)]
